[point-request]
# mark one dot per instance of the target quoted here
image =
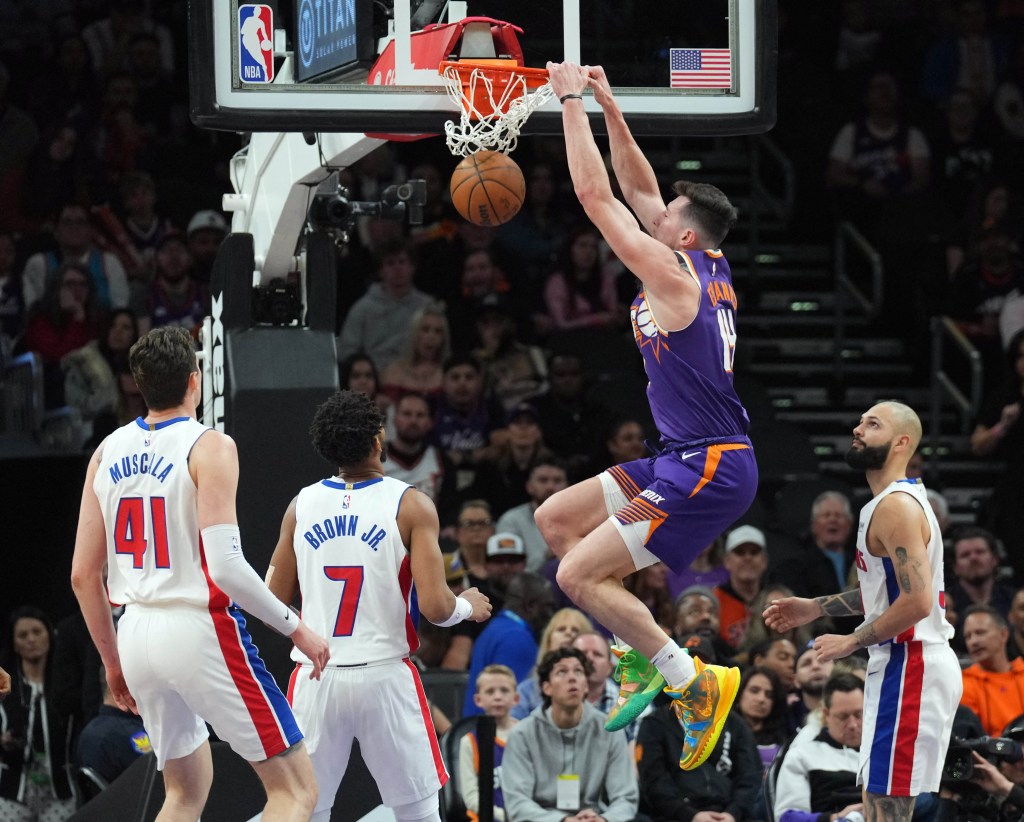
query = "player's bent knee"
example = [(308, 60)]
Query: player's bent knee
[(571, 579), (555, 523), (546, 517), (421, 810)]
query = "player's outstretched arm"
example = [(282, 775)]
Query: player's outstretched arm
[(420, 529), (633, 171), (214, 466), (87, 569), (649, 259), (790, 612)]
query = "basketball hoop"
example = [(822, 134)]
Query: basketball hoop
[(495, 98)]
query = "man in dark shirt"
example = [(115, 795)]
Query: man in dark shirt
[(113, 739), (976, 562)]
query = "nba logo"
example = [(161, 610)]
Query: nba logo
[(346, 501), (256, 43)]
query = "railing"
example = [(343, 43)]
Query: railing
[(779, 205), (943, 386), (849, 239), (22, 383), (205, 357)]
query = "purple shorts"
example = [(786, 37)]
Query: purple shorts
[(686, 496)]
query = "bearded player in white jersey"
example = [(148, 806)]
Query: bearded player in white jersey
[(353, 545), (158, 516), (913, 680)]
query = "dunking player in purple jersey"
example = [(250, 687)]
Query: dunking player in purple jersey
[(668, 507)]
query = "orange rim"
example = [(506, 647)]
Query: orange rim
[(500, 69), (501, 72)]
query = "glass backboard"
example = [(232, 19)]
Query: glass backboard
[(678, 67)]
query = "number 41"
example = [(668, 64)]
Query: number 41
[(130, 530)]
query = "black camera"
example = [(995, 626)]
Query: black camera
[(277, 303), (336, 211), (959, 764)]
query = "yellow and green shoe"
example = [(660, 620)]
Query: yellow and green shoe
[(703, 706), (639, 682)]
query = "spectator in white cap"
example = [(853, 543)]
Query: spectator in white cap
[(746, 560), (206, 230), (505, 557)]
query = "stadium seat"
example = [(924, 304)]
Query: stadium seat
[(453, 810), (446, 690), (770, 780), (89, 783)]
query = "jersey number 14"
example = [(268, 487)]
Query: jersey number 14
[(727, 327)]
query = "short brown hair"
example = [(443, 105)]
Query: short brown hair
[(709, 209), (496, 669), (161, 363)]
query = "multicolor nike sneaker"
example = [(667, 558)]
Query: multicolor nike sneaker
[(703, 706), (639, 682)]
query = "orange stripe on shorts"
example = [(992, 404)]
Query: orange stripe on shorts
[(711, 463)]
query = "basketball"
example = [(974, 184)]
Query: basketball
[(488, 188)]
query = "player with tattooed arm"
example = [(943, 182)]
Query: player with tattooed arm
[(913, 679)]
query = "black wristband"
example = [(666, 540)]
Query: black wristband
[(565, 97)]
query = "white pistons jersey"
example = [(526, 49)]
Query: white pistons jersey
[(148, 499), (879, 586), (353, 570)]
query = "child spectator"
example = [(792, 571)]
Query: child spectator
[(495, 695)]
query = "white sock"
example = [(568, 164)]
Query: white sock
[(621, 644), (675, 665)]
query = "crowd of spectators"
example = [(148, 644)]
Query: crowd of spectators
[(796, 723), (111, 197)]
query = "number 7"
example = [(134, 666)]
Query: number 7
[(352, 576)]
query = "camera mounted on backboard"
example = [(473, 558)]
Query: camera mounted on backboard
[(334, 212)]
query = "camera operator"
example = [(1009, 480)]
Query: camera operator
[(984, 790)]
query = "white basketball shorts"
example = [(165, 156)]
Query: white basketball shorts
[(188, 666), (385, 708), (910, 695)]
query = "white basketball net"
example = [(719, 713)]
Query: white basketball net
[(498, 131)]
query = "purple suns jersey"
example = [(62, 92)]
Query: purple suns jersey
[(689, 371)]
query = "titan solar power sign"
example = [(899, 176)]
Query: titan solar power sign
[(331, 35)]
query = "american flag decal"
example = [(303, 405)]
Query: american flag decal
[(700, 68)]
